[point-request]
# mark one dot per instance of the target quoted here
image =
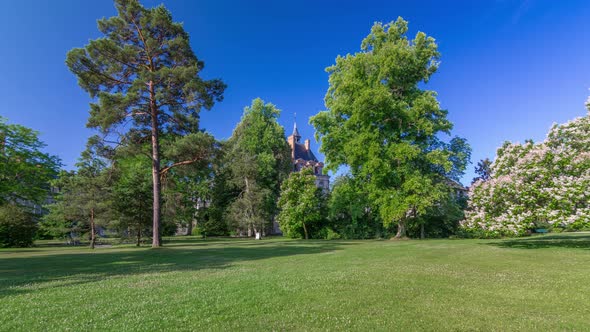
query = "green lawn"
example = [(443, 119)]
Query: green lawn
[(538, 283)]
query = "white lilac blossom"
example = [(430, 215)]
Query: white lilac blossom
[(535, 185)]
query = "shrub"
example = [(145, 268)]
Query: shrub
[(196, 231), (326, 233), (17, 227), (331, 234)]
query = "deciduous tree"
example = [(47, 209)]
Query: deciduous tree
[(302, 204), (25, 170), (382, 125), (258, 160)]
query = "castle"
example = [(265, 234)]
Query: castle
[(302, 156)]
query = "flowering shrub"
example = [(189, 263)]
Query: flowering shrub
[(534, 185)]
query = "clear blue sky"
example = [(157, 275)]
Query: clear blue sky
[(509, 68)]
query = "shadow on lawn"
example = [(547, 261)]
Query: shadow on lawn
[(66, 268), (575, 241)]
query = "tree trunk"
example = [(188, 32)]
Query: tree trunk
[(92, 229), (401, 229), (138, 235), (305, 229), (189, 228), (156, 240), (422, 231)]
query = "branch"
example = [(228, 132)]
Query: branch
[(165, 170)]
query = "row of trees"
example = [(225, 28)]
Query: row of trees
[(153, 168)]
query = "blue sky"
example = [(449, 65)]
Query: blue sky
[(509, 69)]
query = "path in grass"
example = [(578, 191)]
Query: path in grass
[(540, 283)]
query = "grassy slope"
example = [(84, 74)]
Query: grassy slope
[(527, 284)]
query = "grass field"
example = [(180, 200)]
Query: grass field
[(538, 283)]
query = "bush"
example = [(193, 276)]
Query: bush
[(196, 231), (326, 233), (17, 227), (168, 228), (331, 234)]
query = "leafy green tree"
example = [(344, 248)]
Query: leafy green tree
[(25, 171), (483, 170), (222, 194), (83, 201), (350, 210), (258, 160), (302, 205), (384, 127), (144, 75), (132, 197), (441, 220), (17, 226), (188, 189)]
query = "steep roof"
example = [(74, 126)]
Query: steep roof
[(302, 153), (296, 133)]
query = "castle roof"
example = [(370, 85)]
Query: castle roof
[(296, 133), (302, 153)]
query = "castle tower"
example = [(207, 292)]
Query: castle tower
[(302, 156)]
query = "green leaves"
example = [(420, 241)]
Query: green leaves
[(25, 171), (146, 79), (384, 128), (257, 161), (302, 204), (142, 48)]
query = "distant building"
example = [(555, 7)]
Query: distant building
[(302, 156)]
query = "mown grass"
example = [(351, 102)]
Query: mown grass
[(539, 283)]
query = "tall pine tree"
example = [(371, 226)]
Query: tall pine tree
[(144, 74)]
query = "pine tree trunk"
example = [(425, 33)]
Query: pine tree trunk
[(92, 229), (156, 241), (401, 229)]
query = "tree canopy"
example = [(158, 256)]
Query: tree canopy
[(258, 160), (302, 204), (25, 170), (385, 128)]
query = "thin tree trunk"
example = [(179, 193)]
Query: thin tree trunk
[(422, 231), (401, 229), (305, 229), (92, 229), (138, 235), (189, 228), (156, 240), (248, 211)]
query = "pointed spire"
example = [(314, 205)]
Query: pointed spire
[(295, 131)]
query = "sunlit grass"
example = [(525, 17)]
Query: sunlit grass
[(540, 283)]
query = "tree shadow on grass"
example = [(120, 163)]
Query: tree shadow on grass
[(55, 268), (573, 241)]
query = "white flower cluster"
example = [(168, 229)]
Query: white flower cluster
[(533, 185)]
